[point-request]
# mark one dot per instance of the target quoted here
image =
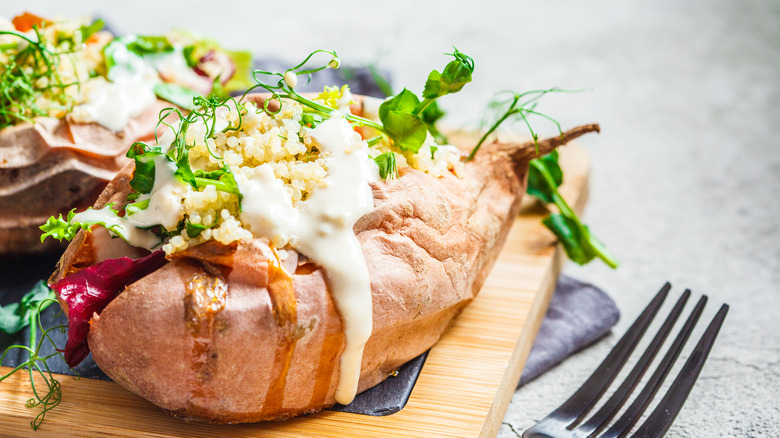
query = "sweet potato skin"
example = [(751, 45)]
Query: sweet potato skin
[(266, 344)]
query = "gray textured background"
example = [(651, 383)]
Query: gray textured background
[(686, 174)]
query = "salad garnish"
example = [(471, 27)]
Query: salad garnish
[(32, 69), (55, 68)]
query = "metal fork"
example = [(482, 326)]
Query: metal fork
[(569, 420)]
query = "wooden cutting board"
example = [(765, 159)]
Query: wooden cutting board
[(463, 390)]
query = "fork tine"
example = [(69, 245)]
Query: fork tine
[(634, 412), (612, 406), (590, 391), (660, 420)]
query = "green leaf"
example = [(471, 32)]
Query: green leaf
[(388, 168), (407, 130), (16, 316), (431, 114), (135, 207), (573, 236), (193, 230), (61, 228), (189, 56), (143, 175), (115, 52), (311, 119), (116, 46), (11, 320), (242, 78), (538, 185), (176, 94), (65, 228), (149, 44), (455, 75), (222, 179), (183, 170), (91, 29), (405, 101), (580, 245)]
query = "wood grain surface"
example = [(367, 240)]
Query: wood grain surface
[(463, 389)]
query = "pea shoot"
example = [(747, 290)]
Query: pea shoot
[(517, 106), (545, 176), (405, 119), (13, 318), (32, 71), (581, 246), (284, 88)]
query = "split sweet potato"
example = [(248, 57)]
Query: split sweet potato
[(244, 332)]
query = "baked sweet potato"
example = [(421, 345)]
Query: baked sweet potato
[(244, 333)]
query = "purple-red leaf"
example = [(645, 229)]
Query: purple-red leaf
[(90, 290), (215, 64)]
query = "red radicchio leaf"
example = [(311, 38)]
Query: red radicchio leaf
[(216, 62), (90, 290)]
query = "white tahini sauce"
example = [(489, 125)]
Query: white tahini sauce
[(164, 208), (129, 90), (127, 93), (321, 228), (133, 235)]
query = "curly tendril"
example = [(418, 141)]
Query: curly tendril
[(50, 395), (282, 90), (519, 105), (205, 111)]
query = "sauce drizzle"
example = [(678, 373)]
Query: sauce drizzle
[(321, 228)]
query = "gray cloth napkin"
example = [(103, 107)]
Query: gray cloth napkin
[(579, 315)]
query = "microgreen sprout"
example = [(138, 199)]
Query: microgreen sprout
[(205, 110), (518, 105), (36, 364), (31, 70), (285, 89), (405, 119)]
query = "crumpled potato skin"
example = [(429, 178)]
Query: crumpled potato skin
[(244, 333), (51, 166)]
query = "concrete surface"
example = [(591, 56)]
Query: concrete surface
[(686, 177)]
